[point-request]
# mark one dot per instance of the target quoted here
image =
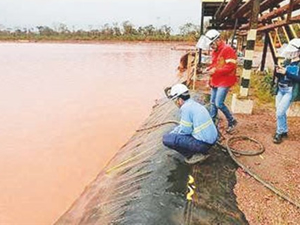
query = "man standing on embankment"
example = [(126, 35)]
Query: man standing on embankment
[(222, 72)]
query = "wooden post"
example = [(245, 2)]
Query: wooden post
[(290, 10), (272, 47), (234, 32), (264, 55), (292, 30), (189, 67), (195, 69), (201, 31), (277, 37)]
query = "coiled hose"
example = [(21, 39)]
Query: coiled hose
[(233, 152)]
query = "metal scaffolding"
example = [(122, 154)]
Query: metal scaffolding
[(277, 21)]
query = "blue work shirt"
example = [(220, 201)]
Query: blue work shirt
[(196, 121), (292, 74)]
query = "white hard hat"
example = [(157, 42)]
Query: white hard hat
[(205, 40), (177, 90), (292, 48), (281, 50)]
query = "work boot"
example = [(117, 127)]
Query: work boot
[(231, 126), (196, 158), (284, 135), (277, 139), (216, 121)]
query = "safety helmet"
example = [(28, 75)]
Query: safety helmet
[(177, 90), (205, 40), (291, 49)]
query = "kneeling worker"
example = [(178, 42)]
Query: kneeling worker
[(196, 133)]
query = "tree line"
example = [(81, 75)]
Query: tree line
[(124, 32)]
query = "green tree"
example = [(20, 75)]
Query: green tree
[(165, 30), (149, 30), (107, 30), (46, 31), (189, 29), (63, 29), (116, 29), (128, 28)]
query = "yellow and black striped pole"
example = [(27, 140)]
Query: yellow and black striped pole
[(248, 62), (249, 53)]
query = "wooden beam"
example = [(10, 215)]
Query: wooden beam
[(227, 27), (279, 12), (275, 13), (219, 8), (295, 19), (243, 9), (242, 33), (266, 4), (229, 8)]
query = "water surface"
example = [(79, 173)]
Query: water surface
[(65, 111)]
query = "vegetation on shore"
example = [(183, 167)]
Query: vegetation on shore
[(262, 87), (124, 32)]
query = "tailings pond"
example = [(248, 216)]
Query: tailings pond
[(65, 111)]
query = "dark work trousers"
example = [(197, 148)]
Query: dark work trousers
[(186, 145)]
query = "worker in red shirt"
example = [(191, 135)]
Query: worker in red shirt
[(222, 72)]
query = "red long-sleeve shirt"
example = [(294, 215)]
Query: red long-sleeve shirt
[(225, 62)]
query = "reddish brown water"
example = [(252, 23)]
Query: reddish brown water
[(65, 109)]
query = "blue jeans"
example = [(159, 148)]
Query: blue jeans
[(186, 145), (217, 98), (283, 101)]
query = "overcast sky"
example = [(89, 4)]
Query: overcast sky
[(95, 13)]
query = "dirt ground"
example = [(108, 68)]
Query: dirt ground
[(279, 165)]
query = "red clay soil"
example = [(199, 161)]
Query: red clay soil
[(279, 165)]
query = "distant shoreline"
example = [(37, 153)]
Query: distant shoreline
[(94, 41)]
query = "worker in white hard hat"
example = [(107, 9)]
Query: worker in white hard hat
[(288, 85), (196, 133), (222, 72), (207, 39)]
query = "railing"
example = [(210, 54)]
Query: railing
[(189, 70)]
